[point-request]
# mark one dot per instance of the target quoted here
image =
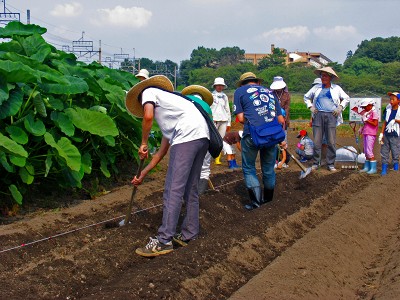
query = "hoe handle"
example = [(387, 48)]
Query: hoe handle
[(129, 211)]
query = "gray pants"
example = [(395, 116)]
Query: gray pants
[(390, 144), (324, 125), (181, 183)]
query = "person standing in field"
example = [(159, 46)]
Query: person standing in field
[(204, 97), (256, 105), (326, 101), (389, 138), (279, 87), (186, 136), (370, 119), (220, 110)]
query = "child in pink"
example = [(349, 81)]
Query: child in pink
[(370, 118)]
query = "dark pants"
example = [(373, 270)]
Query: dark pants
[(181, 183)]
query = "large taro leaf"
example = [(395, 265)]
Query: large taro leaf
[(39, 104), (12, 105), (10, 146), (36, 47), (116, 95), (35, 127), (87, 163), (27, 174), (43, 71), (15, 193), (17, 134), (17, 72), (17, 28), (63, 122), (66, 150), (75, 85), (92, 121), (11, 46)]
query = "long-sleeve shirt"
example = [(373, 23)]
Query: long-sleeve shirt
[(338, 96), (220, 108)]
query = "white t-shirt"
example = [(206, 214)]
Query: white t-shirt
[(179, 120)]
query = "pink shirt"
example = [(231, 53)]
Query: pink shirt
[(370, 129)]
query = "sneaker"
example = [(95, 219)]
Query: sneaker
[(303, 160), (332, 168), (178, 238), (155, 248), (314, 167), (285, 165)]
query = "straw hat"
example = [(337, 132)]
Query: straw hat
[(143, 73), (132, 101), (328, 70), (248, 76), (278, 83), (194, 89), (219, 81)]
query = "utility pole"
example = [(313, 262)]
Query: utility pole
[(7, 16)]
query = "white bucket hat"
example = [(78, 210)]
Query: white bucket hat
[(317, 81), (143, 73), (219, 81), (278, 83)]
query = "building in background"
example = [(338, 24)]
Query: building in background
[(316, 59)]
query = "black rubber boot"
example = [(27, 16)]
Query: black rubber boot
[(255, 198), (268, 195), (203, 186)]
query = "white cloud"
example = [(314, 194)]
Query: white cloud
[(335, 33), (134, 17), (67, 10), (292, 34)]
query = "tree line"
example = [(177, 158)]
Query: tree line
[(373, 68)]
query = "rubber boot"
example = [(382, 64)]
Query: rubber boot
[(255, 198), (233, 164), (396, 166), (367, 166), (268, 195), (217, 160), (384, 169), (203, 186), (373, 167)]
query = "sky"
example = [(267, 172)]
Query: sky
[(172, 29)]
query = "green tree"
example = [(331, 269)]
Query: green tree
[(384, 50), (277, 58)]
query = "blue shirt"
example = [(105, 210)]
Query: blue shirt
[(257, 103), (324, 101)]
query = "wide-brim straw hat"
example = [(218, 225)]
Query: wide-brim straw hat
[(132, 101), (328, 70), (200, 90), (246, 77)]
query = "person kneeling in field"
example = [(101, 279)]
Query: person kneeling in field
[(186, 135)]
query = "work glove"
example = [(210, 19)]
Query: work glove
[(337, 111), (299, 145), (313, 109), (380, 139)]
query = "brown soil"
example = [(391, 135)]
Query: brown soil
[(327, 236)]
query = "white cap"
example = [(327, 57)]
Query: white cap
[(365, 102), (143, 73), (278, 83), (219, 81), (317, 81)]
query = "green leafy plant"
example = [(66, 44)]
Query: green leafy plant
[(59, 118)]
